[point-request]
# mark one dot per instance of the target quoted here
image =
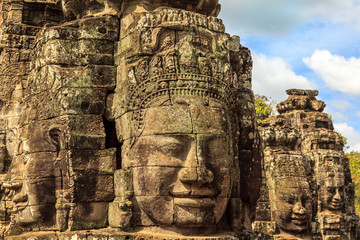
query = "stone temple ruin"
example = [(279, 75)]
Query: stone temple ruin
[(135, 119), (307, 188)]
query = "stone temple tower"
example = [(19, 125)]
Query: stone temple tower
[(307, 188)]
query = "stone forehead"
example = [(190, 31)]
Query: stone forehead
[(335, 180), (296, 190), (287, 166), (175, 119)]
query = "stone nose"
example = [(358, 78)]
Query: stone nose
[(194, 169), (20, 197), (337, 196), (298, 208)]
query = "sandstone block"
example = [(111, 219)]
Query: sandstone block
[(101, 161), (79, 101), (92, 187)]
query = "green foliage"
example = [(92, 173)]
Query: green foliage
[(344, 139), (354, 160), (264, 107)]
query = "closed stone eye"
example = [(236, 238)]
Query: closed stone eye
[(171, 148)]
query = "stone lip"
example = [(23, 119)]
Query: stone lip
[(194, 202)]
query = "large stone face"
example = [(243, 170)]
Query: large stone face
[(176, 108), (135, 115), (308, 191)]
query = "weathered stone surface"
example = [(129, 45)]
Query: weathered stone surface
[(92, 215), (90, 186), (102, 161)]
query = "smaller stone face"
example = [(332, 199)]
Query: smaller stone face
[(287, 173), (293, 205), (331, 194)]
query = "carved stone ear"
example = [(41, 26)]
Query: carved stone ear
[(56, 138), (3, 150), (3, 155), (2, 104)]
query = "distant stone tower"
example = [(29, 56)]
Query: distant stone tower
[(304, 135)]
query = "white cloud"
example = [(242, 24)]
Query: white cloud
[(341, 105), (281, 16), (336, 116), (273, 76), (337, 11), (261, 16), (350, 133), (336, 71)]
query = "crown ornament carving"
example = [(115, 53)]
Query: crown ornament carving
[(173, 61)]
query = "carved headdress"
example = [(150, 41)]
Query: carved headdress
[(171, 57)]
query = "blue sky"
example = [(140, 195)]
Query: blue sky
[(304, 44)]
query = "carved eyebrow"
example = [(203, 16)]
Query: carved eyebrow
[(287, 196), (162, 141), (169, 144)]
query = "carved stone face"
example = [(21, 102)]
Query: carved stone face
[(32, 194), (293, 205), (30, 183), (332, 195), (181, 165)]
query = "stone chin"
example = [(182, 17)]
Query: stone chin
[(294, 225), (184, 211), (198, 212), (28, 215)]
